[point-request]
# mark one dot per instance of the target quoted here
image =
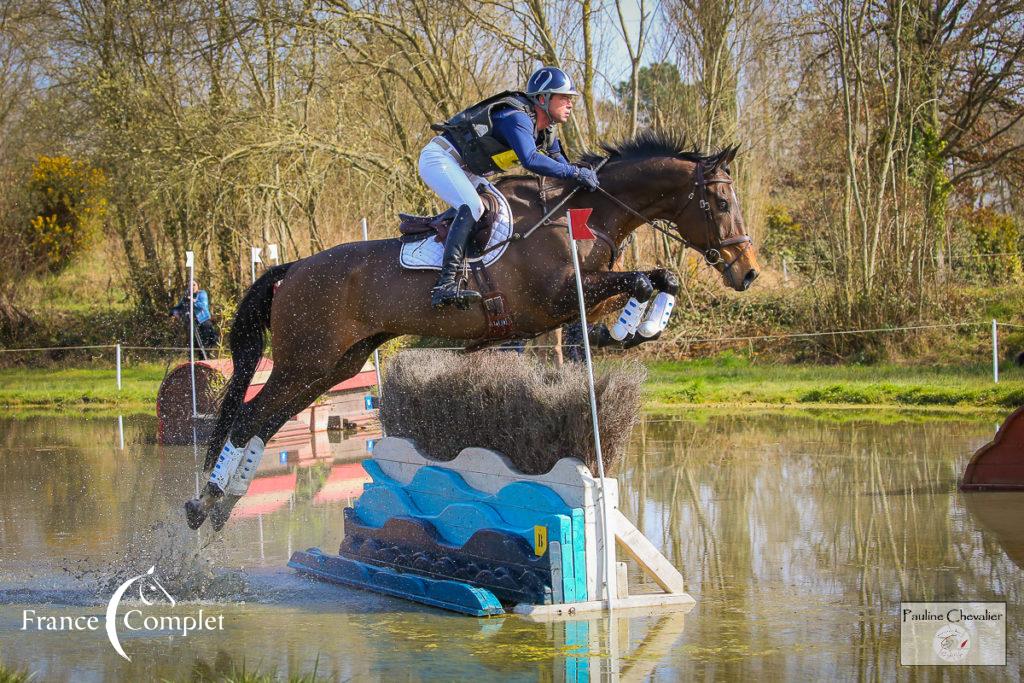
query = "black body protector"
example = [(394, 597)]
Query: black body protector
[(472, 130)]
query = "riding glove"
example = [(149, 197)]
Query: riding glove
[(586, 177)]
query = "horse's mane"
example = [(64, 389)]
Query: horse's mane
[(646, 144), (653, 142)]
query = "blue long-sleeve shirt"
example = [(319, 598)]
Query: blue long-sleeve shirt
[(201, 306), (515, 129)]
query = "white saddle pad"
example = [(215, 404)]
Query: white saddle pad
[(426, 254)]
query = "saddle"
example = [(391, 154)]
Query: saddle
[(416, 228)]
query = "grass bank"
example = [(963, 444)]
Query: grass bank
[(732, 379), (721, 381), (33, 391)]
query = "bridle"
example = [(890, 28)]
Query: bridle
[(712, 254)]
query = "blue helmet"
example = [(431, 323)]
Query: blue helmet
[(549, 80)]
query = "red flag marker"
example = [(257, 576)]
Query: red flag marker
[(578, 230), (578, 227)]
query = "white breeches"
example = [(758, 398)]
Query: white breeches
[(443, 174)]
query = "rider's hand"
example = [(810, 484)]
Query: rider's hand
[(586, 177)]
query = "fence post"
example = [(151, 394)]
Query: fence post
[(995, 351), (119, 367), (376, 353)]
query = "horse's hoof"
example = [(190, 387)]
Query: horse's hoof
[(221, 512), (195, 515)]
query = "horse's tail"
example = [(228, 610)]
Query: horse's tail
[(248, 335)]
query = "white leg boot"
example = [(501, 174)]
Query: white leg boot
[(658, 315), (628, 320), (246, 472), (239, 483), (227, 462)]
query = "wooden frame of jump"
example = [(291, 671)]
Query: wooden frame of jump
[(489, 471), (637, 547)]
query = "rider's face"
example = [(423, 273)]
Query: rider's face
[(560, 108)]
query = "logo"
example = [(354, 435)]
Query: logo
[(953, 633), (115, 602), (148, 614), (951, 643)]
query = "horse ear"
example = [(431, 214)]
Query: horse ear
[(728, 155), (724, 158)]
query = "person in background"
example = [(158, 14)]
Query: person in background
[(206, 333)]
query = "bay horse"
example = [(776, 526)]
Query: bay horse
[(329, 311)]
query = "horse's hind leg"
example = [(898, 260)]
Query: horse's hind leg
[(259, 420), (256, 422)]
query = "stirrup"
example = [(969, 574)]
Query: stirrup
[(442, 296)]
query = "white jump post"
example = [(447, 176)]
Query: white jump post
[(273, 254), (254, 258), (118, 354), (577, 226), (995, 351), (191, 265), (376, 353)]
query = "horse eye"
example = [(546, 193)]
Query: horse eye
[(723, 205)]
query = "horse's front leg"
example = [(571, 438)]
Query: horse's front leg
[(632, 327), (603, 286), (600, 286), (664, 280), (660, 309)]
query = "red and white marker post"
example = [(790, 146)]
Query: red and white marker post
[(579, 230)]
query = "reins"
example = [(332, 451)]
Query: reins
[(516, 236), (712, 254)]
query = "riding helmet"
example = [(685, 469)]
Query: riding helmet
[(549, 80)]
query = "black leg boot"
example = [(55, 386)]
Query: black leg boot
[(446, 292)]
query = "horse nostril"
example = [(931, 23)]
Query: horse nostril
[(749, 278)]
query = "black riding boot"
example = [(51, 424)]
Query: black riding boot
[(446, 292)]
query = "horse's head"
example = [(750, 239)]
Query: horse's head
[(708, 217), (692, 191)]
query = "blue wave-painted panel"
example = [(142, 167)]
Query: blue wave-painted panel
[(457, 522), (434, 488), (520, 504)]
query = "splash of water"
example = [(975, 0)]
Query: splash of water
[(186, 564)]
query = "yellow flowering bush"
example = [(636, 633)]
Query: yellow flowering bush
[(68, 206)]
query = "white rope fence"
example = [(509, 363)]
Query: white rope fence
[(679, 341)]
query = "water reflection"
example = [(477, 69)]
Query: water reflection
[(798, 537)]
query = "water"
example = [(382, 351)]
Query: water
[(798, 536)]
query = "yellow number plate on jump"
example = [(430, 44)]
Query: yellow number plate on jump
[(540, 540)]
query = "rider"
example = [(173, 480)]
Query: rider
[(508, 129)]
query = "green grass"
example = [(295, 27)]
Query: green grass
[(724, 380), (237, 673), (14, 676), (730, 379), (50, 390)]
